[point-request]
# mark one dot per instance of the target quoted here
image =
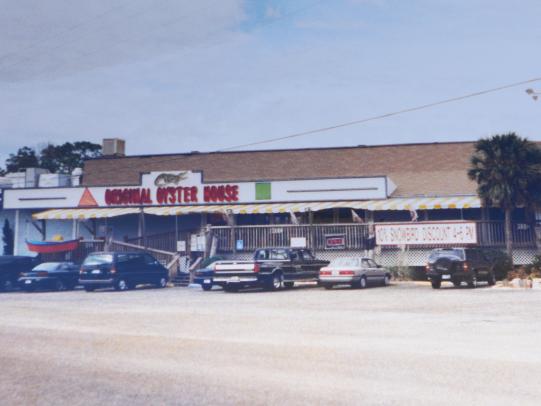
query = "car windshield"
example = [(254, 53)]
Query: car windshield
[(47, 266), (345, 262), (458, 253), (279, 254), (98, 259)]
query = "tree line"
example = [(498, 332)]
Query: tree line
[(62, 158)]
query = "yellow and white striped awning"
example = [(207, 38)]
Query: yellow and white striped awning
[(398, 203), (83, 214), (424, 203), (419, 203)]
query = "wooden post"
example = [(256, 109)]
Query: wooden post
[(311, 244), (16, 231)]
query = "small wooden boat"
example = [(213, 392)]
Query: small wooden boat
[(46, 247)]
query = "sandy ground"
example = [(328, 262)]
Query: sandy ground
[(404, 344)]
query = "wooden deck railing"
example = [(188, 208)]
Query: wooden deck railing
[(490, 234)]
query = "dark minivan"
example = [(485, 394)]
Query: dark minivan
[(121, 270)]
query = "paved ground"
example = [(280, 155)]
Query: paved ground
[(405, 344)]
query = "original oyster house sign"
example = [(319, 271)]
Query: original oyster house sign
[(165, 188)]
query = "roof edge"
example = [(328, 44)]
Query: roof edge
[(280, 150)]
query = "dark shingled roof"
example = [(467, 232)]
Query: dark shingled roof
[(417, 169)]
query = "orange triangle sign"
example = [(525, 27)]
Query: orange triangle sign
[(87, 200)]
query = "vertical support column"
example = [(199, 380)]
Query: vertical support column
[(16, 234), (142, 228), (335, 215), (74, 229), (233, 223), (204, 220), (311, 244)]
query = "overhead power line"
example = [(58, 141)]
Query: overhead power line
[(479, 93), (382, 116)]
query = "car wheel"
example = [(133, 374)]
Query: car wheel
[(206, 287), (122, 284), (436, 284), (362, 282), (162, 283), (386, 280), (457, 283), (289, 285), (277, 281), (472, 283), (59, 285), (491, 279), (89, 288)]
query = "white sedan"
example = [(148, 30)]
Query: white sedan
[(355, 271)]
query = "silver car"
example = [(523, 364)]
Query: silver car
[(357, 272)]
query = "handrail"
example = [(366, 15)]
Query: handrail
[(140, 247)]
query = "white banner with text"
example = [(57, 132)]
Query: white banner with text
[(450, 233)]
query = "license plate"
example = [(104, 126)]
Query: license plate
[(446, 277), (96, 271), (28, 282), (234, 279), (206, 281)]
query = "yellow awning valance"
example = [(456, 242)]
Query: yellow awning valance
[(418, 203), (83, 214)]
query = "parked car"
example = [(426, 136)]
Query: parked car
[(11, 267), (121, 270), (50, 275), (271, 269), (458, 265), (358, 272), (204, 277)]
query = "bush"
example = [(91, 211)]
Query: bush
[(502, 265), (407, 273)]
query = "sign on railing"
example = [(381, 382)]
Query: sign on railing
[(426, 233)]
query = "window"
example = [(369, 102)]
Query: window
[(345, 262), (307, 255), (372, 263), (98, 259), (48, 266), (278, 254), (366, 264), (261, 255)]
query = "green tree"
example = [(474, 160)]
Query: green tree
[(68, 156), (7, 238), (24, 158), (507, 169)]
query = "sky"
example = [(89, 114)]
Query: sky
[(179, 75)]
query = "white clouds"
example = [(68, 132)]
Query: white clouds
[(181, 77), (44, 39)]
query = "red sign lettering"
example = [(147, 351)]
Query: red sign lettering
[(127, 196), (222, 193)]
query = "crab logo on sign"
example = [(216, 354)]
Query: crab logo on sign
[(167, 179)]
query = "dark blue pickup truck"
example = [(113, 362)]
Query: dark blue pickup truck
[(270, 269)]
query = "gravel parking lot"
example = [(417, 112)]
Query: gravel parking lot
[(404, 344)]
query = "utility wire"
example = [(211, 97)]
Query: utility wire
[(129, 165), (382, 116)]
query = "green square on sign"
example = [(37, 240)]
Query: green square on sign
[(262, 191)]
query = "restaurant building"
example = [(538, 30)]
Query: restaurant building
[(395, 202)]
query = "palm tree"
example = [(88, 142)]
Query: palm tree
[(507, 169)]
